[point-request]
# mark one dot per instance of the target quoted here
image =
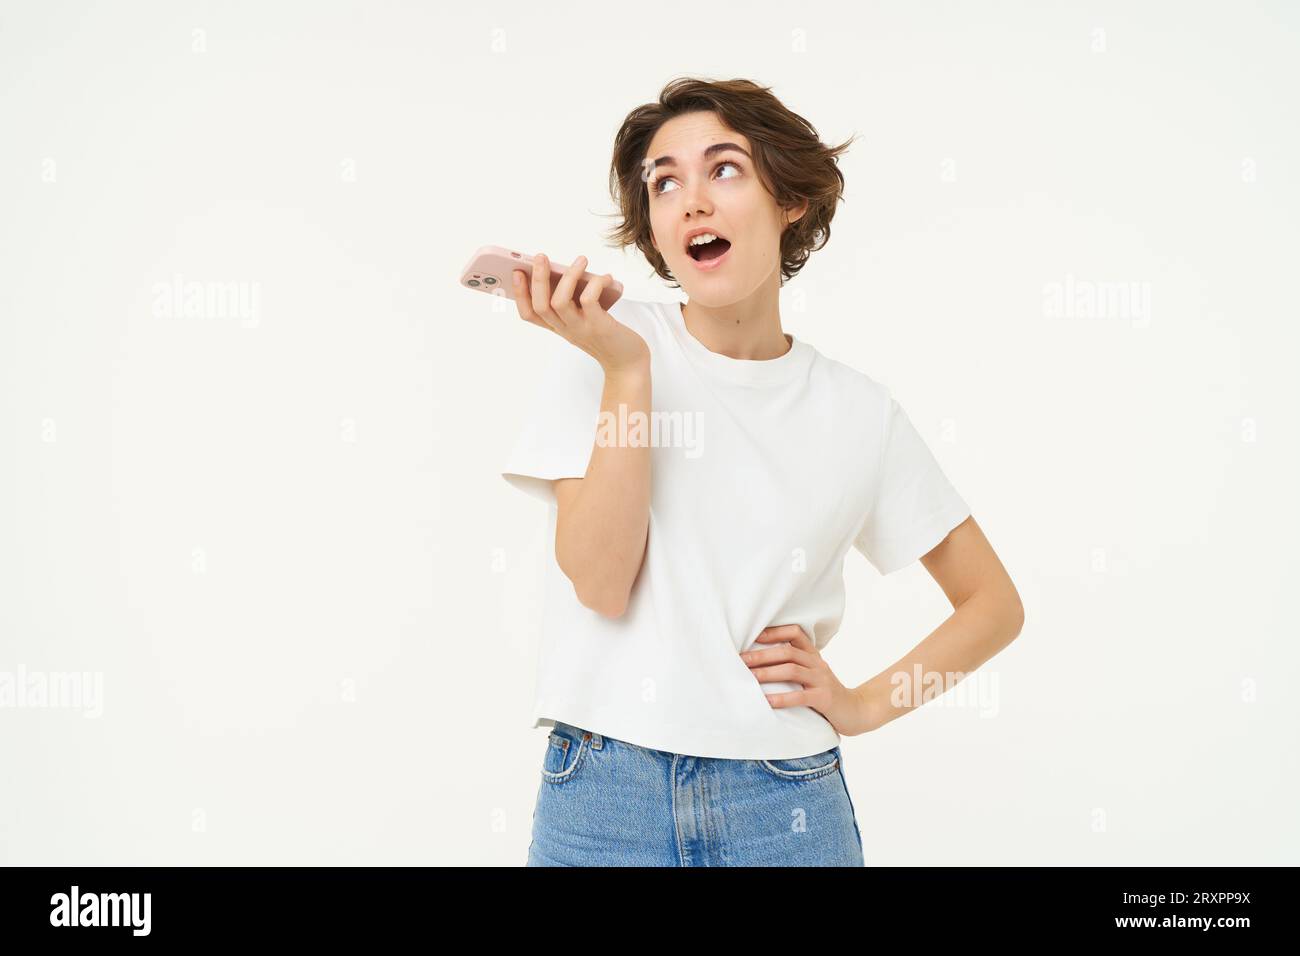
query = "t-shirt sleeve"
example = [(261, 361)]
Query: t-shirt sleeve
[(914, 506), (559, 423)]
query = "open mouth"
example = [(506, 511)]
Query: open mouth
[(708, 250)]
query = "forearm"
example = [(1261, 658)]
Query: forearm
[(601, 535), (975, 631)]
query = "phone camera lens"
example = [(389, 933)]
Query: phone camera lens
[(490, 280), (474, 282)]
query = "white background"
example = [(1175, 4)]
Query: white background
[(285, 546)]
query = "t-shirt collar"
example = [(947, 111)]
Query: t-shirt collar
[(773, 371)]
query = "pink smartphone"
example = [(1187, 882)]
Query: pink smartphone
[(490, 268)]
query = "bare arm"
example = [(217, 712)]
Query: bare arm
[(987, 616), (604, 517)]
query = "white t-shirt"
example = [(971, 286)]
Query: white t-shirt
[(763, 474)]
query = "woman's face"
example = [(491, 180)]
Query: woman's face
[(694, 182)]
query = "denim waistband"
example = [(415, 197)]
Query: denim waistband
[(597, 741)]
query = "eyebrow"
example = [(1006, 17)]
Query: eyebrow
[(709, 151)]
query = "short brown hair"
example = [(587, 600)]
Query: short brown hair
[(792, 163)]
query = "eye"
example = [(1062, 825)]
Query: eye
[(732, 165), (654, 186)]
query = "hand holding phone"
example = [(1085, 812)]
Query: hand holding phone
[(490, 268), (575, 310)]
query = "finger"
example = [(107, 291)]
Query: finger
[(793, 633), (562, 299), (793, 673), (782, 652), (519, 281), (791, 698), (589, 300), (541, 292)]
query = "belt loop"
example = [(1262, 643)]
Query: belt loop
[(597, 742)]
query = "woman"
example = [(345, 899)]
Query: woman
[(707, 472)]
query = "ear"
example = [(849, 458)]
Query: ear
[(793, 216)]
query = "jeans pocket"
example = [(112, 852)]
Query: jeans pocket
[(811, 767), (567, 748)]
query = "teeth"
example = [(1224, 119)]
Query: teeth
[(702, 238)]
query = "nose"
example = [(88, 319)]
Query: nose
[(696, 199)]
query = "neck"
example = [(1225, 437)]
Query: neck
[(748, 329)]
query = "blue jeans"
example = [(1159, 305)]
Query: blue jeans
[(606, 802)]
